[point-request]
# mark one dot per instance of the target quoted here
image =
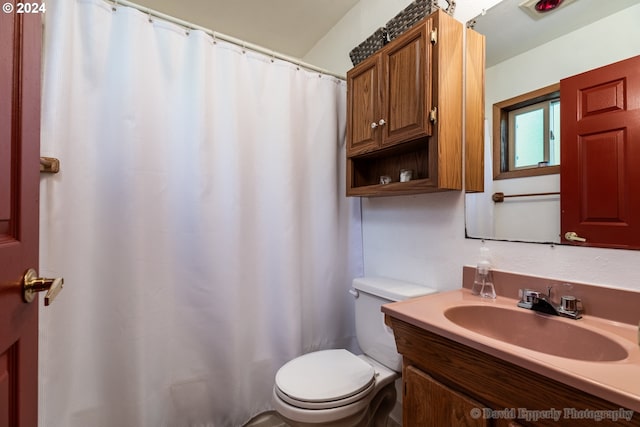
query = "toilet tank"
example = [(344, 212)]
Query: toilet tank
[(375, 338)]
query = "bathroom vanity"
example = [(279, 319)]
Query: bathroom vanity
[(457, 373)]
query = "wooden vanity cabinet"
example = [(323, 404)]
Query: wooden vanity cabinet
[(445, 382), (430, 403), (404, 111)]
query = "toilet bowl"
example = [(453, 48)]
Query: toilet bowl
[(342, 394), (338, 388)]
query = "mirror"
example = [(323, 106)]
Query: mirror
[(523, 55)]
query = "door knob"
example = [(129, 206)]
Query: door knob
[(31, 284), (374, 125), (572, 236)]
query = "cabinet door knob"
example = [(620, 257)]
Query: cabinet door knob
[(374, 125), (382, 122)]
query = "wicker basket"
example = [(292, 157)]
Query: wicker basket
[(410, 16), (396, 26), (371, 45)]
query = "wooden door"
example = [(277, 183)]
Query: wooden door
[(20, 47), (407, 84), (600, 155), (427, 403), (363, 107)]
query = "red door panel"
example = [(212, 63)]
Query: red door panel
[(20, 48), (603, 197), (600, 152)]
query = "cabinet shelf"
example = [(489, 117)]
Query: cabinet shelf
[(365, 170), (414, 186)]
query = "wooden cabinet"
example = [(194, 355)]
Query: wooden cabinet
[(445, 380), (389, 94), (474, 111), (428, 403), (404, 111), (363, 107)]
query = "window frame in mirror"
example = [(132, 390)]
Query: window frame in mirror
[(500, 133)]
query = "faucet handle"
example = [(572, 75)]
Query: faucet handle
[(570, 303), (528, 297), (572, 306)]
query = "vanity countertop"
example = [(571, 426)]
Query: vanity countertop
[(616, 381)]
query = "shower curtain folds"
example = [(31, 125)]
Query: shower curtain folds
[(199, 221)]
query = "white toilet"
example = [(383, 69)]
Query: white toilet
[(337, 388)]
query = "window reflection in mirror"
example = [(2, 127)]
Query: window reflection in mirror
[(527, 128), (534, 135)]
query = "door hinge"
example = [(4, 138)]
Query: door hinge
[(434, 36), (433, 115)]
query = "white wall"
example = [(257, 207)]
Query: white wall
[(421, 238)]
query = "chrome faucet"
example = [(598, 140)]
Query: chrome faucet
[(569, 306)]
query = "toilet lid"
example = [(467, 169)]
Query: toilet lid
[(324, 376)]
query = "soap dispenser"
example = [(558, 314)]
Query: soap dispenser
[(483, 281)]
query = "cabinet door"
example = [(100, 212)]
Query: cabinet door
[(427, 403), (407, 84), (363, 107), (600, 152)]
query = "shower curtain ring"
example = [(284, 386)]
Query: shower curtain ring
[(149, 16), (214, 38), (115, 6)]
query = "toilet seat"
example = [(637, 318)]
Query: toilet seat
[(330, 404), (325, 379)]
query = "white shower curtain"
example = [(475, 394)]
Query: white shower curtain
[(199, 222)]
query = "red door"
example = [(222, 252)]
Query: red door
[(20, 47), (600, 155)]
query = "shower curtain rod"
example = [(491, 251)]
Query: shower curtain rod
[(219, 36)]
